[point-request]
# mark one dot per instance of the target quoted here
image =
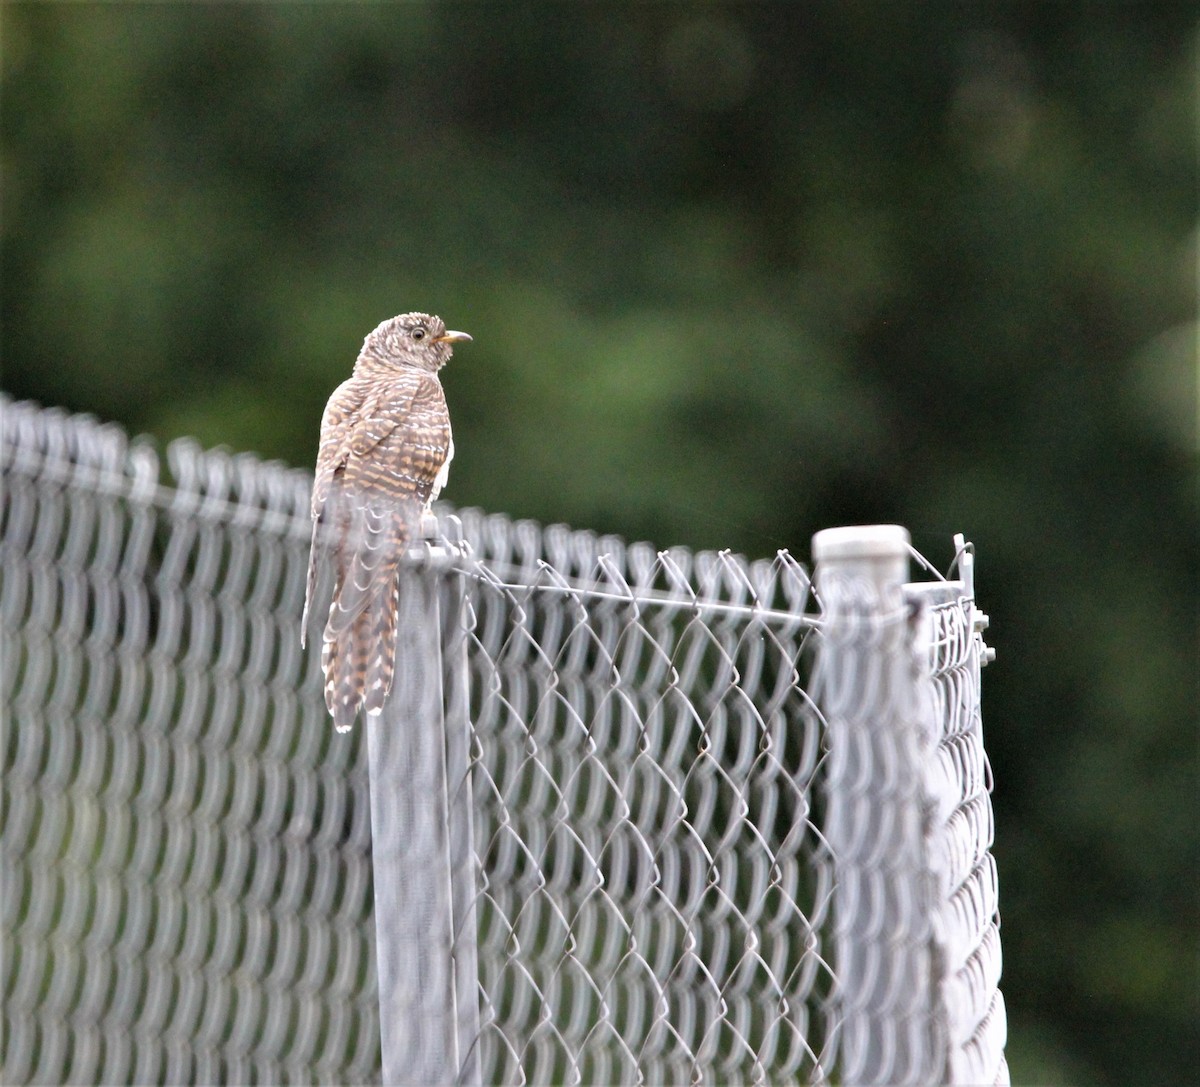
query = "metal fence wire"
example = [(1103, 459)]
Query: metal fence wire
[(629, 816)]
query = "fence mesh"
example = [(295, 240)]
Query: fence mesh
[(655, 880), (645, 795)]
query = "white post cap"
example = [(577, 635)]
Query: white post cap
[(856, 542)]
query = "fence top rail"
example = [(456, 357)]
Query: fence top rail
[(516, 556), (78, 451)]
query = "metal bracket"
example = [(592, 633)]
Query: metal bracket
[(964, 555)]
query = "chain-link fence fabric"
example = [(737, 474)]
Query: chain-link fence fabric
[(186, 851), (610, 790), (655, 882)]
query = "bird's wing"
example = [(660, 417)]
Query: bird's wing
[(398, 446), (379, 477), (395, 453), (356, 418), (353, 421)]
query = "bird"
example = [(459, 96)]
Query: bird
[(384, 455)]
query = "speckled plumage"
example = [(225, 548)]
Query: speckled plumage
[(384, 455)]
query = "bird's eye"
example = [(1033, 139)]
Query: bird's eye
[(418, 333)]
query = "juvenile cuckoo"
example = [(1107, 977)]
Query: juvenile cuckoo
[(384, 455)]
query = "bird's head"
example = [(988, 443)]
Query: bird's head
[(412, 339)]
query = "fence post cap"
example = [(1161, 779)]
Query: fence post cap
[(860, 542)]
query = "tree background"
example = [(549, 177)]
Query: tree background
[(735, 272)]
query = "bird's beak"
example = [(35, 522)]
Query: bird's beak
[(452, 337)]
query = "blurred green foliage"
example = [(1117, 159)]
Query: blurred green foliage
[(735, 272)]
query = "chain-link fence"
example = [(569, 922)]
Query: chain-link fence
[(629, 817)]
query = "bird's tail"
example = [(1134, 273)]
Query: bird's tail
[(360, 661), (358, 654)]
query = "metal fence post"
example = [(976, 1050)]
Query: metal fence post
[(461, 823), (421, 851), (869, 686)]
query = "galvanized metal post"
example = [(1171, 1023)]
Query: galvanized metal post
[(460, 825), (869, 686), (421, 848)]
